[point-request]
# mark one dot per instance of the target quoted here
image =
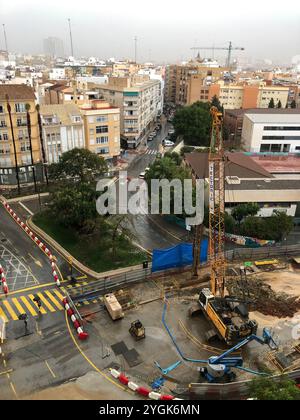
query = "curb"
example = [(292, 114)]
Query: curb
[(142, 391), (77, 264), (36, 240)]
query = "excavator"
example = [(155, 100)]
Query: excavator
[(228, 316)]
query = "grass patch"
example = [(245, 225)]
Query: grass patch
[(94, 251)]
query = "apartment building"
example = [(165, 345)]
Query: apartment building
[(187, 84), (102, 128), (271, 132), (63, 130), (139, 101), (19, 96), (234, 96)]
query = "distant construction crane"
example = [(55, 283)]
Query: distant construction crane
[(230, 48)]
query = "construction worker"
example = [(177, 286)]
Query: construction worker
[(38, 301)]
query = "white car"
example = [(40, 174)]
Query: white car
[(143, 174), (168, 143)]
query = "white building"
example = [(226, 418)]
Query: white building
[(63, 130), (272, 132), (57, 73)]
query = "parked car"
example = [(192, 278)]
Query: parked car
[(168, 143)]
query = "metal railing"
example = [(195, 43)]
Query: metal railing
[(112, 283)]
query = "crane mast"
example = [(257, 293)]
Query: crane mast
[(217, 205)]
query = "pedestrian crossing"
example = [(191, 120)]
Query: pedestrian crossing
[(12, 307), (151, 152)]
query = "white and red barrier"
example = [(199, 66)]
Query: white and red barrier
[(36, 240), (3, 281), (142, 391), (77, 325)]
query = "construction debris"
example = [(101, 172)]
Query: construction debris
[(264, 299)]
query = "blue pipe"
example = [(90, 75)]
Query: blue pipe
[(198, 361), (174, 341)]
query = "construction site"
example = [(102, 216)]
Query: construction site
[(207, 331)]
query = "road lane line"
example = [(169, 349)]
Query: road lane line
[(54, 300), (50, 370), (10, 310), (18, 306), (46, 303), (43, 311), (28, 306)]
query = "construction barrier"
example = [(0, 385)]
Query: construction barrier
[(3, 281), (77, 325), (36, 240), (142, 391)]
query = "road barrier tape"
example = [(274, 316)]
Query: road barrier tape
[(77, 325), (3, 281), (144, 392), (36, 240)]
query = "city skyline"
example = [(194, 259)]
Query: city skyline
[(164, 34)]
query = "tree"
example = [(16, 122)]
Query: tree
[(78, 164), (120, 225), (279, 105), (272, 103), (194, 124), (240, 212), (293, 104), (27, 107), (75, 206), (266, 389)]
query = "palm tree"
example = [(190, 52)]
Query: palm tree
[(27, 106), (14, 143), (42, 143)]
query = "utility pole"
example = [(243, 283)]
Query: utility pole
[(5, 38), (135, 49), (71, 38)]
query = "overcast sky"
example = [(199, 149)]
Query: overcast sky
[(167, 29)]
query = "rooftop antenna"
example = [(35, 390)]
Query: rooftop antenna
[(71, 38), (5, 38), (135, 49)]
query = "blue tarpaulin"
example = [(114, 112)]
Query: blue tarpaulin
[(178, 256)]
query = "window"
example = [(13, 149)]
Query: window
[(104, 151), (20, 108), (102, 129), (1, 109), (281, 137), (2, 123), (265, 148), (281, 128), (102, 118), (4, 136), (102, 140)]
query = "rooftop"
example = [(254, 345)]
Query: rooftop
[(282, 118), (237, 164), (289, 164), (62, 112), (17, 92), (262, 185), (263, 111)]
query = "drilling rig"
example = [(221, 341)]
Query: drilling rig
[(228, 315)]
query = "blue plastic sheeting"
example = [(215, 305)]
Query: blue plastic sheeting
[(178, 256)]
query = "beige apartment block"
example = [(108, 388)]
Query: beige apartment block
[(102, 128), (139, 101), (19, 96), (63, 130)]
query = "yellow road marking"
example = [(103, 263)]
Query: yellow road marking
[(50, 370), (10, 310), (31, 297), (46, 303), (28, 306), (54, 300), (18, 306), (90, 362), (58, 294), (3, 315)]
